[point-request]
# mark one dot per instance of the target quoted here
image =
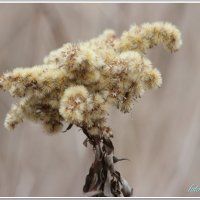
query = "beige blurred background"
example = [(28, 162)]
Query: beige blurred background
[(161, 136)]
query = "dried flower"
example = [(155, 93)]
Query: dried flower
[(79, 82)]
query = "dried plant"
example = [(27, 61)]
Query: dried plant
[(79, 82)]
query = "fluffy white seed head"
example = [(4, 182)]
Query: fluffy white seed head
[(79, 82)]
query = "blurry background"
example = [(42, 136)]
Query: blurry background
[(161, 136)]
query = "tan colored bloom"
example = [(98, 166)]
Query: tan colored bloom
[(79, 82)]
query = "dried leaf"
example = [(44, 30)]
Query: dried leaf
[(98, 155), (103, 175), (93, 183), (87, 134), (68, 128), (88, 180), (115, 188), (109, 162), (117, 175), (107, 186), (85, 142), (108, 146), (126, 189), (115, 159)]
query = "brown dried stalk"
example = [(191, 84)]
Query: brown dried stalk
[(102, 176)]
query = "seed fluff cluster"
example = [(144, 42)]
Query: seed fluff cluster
[(77, 83)]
